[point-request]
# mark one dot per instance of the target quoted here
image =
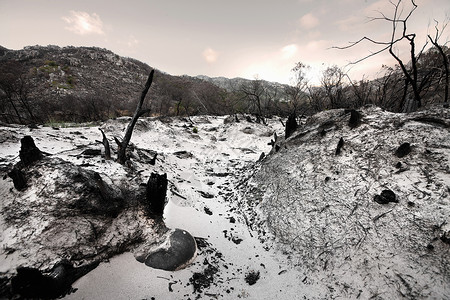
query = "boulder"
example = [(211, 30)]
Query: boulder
[(403, 150), (176, 251), (385, 197)]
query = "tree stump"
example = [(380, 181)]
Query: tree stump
[(339, 146), (156, 194), (355, 119), (29, 153), (291, 126)]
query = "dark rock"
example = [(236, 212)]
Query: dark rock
[(249, 119), (207, 211), (291, 126), (389, 195), (32, 283), (29, 153), (92, 152), (378, 199), (156, 194), (446, 237), (398, 165), (206, 195), (403, 150), (248, 130), (181, 251), (183, 154), (252, 277), (19, 180), (339, 146), (385, 197), (236, 240)]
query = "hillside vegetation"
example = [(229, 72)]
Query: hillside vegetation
[(49, 84)]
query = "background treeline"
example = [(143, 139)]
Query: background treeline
[(78, 84)]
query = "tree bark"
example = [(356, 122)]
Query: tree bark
[(156, 194)]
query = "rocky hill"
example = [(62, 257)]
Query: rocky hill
[(234, 84), (41, 84), (80, 83)]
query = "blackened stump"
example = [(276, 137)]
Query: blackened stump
[(355, 118), (339, 146), (29, 153), (19, 180), (291, 125), (156, 194)]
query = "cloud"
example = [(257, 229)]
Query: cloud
[(82, 23), (288, 51), (309, 21), (210, 55)]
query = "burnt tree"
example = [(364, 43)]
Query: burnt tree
[(121, 153), (399, 34)]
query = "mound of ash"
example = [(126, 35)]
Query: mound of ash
[(369, 216)]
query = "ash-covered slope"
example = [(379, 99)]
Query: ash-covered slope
[(320, 205)]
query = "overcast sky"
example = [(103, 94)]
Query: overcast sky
[(231, 38)]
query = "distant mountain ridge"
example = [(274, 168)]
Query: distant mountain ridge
[(233, 84), (94, 83)]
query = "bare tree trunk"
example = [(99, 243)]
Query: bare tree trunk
[(106, 145), (121, 155)]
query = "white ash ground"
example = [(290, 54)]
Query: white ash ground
[(320, 206), (308, 236)]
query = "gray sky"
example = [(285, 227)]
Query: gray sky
[(231, 38)]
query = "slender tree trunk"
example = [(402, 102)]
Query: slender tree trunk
[(121, 155)]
